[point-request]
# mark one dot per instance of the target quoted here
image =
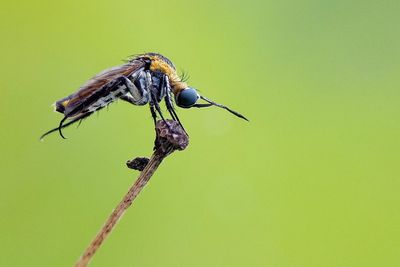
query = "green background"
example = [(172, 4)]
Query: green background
[(312, 180)]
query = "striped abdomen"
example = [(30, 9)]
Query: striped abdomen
[(75, 104)]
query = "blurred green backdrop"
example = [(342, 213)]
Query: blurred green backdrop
[(312, 180)]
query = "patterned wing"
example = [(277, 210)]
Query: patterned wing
[(97, 87)]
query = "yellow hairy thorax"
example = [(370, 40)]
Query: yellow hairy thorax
[(158, 64)]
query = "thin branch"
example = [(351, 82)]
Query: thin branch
[(169, 137)]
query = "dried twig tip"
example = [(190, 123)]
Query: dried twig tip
[(170, 135)]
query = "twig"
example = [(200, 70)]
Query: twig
[(169, 137)]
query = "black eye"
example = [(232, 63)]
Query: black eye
[(187, 97)]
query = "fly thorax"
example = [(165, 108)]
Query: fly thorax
[(177, 86)]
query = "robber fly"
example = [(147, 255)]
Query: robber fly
[(145, 79)]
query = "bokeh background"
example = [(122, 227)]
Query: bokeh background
[(312, 180)]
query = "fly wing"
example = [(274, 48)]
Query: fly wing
[(97, 87)]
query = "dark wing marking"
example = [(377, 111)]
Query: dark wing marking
[(96, 87)]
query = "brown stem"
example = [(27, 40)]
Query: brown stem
[(169, 137)]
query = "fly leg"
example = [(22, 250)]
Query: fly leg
[(153, 99), (168, 101), (153, 114), (62, 125), (138, 95), (157, 106), (141, 94)]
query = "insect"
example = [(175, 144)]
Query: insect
[(145, 79)]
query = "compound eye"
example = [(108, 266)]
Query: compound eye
[(187, 97)]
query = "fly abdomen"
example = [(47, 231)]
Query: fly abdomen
[(108, 99), (62, 103)]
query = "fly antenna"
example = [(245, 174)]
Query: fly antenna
[(224, 107)]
